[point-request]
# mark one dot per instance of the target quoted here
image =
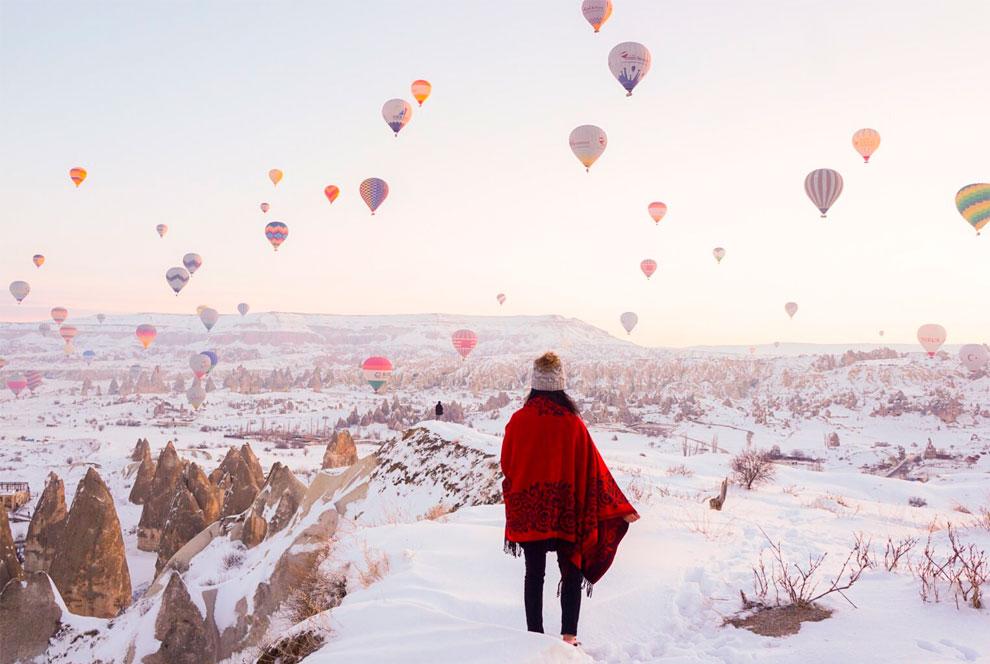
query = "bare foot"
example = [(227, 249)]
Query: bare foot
[(570, 638)]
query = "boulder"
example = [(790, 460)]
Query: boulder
[(10, 566), (141, 448), (144, 479), (90, 566), (29, 617), (341, 451), (168, 475), (186, 636), (46, 526)]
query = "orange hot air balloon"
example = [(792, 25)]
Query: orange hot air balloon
[(146, 333), (275, 176), (421, 90), (657, 210), (38, 260), (331, 191), (866, 142), (265, 207), (59, 314), (77, 175)]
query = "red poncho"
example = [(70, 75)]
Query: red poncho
[(557, 486)]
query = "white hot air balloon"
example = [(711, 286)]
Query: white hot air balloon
[(629, 320), (974, 356), (397, 113), (629, 63), (20, 290), (588, 142), (200, 365), (931, 337), (718, 253), (209, 316), (596, 12)]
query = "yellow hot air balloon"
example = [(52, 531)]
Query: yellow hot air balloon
[(866, 142), (77, 175), (421, 90), (275, 175)]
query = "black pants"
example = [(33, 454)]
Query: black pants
[(570, 586)]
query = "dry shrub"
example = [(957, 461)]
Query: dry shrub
[(700, 521), (376, 566), (435, 513), (680, 470), (294, 648), (917, 501), (962, 570), (894, 551), (315, 590), (982, 519), (962, 509), (753, 467), (233, 559)]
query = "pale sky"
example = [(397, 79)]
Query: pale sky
[(179, 109)]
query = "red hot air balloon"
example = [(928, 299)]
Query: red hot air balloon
[(648, 266), (265, 207), (376, 371), (146, 333), (331, 191), (16, 384), (657, 210), (68, 333), (464, 342), (59, 314), (276, 232), (501, 298)]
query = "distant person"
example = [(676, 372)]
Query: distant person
[(439, 410), (559, 496)]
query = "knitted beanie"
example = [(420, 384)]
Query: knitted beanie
[(548, 373)]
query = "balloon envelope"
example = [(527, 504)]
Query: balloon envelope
[(421, 90), (68, 333), (974, 356), (209, 316), (791, 308), (397, 113), (376, 371), (33, 380), (973, 203), (196, 394), (146, 333), (588, 142), (177, 278), (192, 262), (931, 337), (331, 191), (38, 260), (629, 321), (657, 210), (16, 384), (212, 356), (88, 355), (243, 308), (464, 342), (629, 63), (866, 142), (101, 318), (648, 266), (77, 175), (718, 253), (596, 12), (162, 229), (200, 364), (265, 207), (275, 176), (59, 314), (20, 290), (276, 232), (823, 187), (501, 298), (374, 191)]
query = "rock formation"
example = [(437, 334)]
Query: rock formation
[(90, 567), (144, 478), (254, 530), (185, 636), (196, 504), (141, 448), (283, 492), (46, 526), (10, 566), (168, 474), (240, 478), (29, 617), (341, 451)]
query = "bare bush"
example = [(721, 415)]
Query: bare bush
[(376, 566), (894, 551), (982, 519), (680, 470), (233, 559), (294, 648), (962, 570), (435, 513), (917, 501), (753, 467)]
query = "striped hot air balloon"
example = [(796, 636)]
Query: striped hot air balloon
[(177, 278), (973, 203), (146, 334), (588, 142), (823, 187), (331, 191), (374, 191), (59, 314), (16, 384), (648, 266), (38, 260), (77, 175), (866, 142), (464, 342), (657, 210), (596, 12), (421, 90), (243, 308), (376, 371), (33, 380), (192, 262), (276, 232)]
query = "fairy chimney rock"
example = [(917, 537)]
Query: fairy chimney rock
[(144, 479), (184, 634), (185, 520), (241, 480), (341, 451), (90, 566), (10, 566), (46, 526), (282, 491), (208, 497), (168, 474), (254, 530), (141, 449), (29, 617)]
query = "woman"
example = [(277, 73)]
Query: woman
[(559, 496)]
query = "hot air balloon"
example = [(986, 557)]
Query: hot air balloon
[(275, 176), (77, 175), (276, 232), (68, 333), (59, 314), (464, 342), (200, 308), (212, 356), (973, 203), (931, 337), (177, 278), (648, 266), (588, 142), (501, 298), (209, 316), (629, 320), (100, 318), (38, 260), (243, 308), (134, 371), (192, 262), (88, 356), (866, 142), (974, 356), (146, 333), (374, 191), (16, 384), (657, 210), (881, 333), (421, 90), (265, 207), (161, 229), (823, 187), (331, 191), (718, 253), (596, 12), (196, 394), (33, 379), (629, 63), (200, 364), (376, 371), (397, 114), (791, 308), (20, 290)]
